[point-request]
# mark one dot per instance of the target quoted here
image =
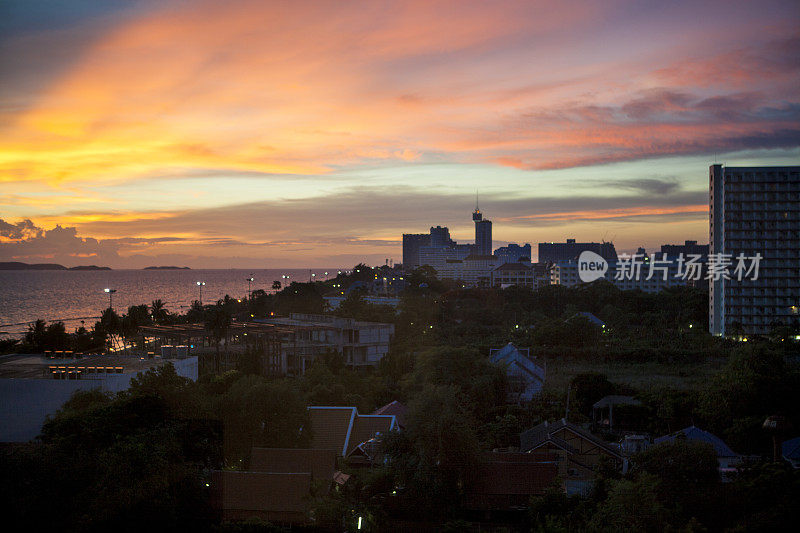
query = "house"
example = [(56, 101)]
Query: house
[(506, 481), (362, 344), (348, 433), (579, 452), (603, 411), (591, 318), (727, 458), (395, 408), (277, 486), (790, 450), (525, 378), (514, 274)]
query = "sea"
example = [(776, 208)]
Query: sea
[(78, 297)]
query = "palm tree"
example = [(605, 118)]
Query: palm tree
[(157, 311), (217, 323)]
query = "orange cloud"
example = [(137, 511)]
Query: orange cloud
[(602, 214)]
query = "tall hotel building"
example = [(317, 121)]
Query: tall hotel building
[(483, 234), (755, 210)]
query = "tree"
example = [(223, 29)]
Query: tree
[(438, 450), (276, 285), (587, 388), (217, 323), (754, 384), (631, 505), (158, 312), (257, 412)]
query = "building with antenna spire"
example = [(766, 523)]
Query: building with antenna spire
[(483, 231)]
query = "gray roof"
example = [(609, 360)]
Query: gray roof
[(615, 399), (543, 432), (695, 434)]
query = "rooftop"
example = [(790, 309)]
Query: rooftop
[(693, 433), (33, 366)]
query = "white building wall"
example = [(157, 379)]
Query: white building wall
[(25, 403)]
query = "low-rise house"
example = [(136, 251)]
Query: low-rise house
[(591, 318), (506, 481), (399, 410), (514, 274), (361, 343), (633, 444), (525, 378), (790, 450), (278, 485), (347, 432), (579, 452), (603, 412), (727, 458)]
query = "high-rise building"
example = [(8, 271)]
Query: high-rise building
[(514, 253), (554, 252), (440, 236), (754, 212), (412, 242), (483, 233)]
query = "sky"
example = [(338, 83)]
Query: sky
[(268, 134)]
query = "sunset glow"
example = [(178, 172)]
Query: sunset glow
[(263, 133)]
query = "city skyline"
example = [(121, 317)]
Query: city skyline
[(266, 135)]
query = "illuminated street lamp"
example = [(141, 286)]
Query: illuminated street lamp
[(110, 297), (249, 292), (200, 284)]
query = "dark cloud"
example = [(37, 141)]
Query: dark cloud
[(29, 243), (647, 185), (25, 229), (350, 217)]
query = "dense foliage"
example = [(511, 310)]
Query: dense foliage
[(141, 459)]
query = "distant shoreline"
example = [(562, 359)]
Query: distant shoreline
[(166, 268), (14, 265)]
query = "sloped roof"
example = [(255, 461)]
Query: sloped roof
[(790, 449), (330, 427), (513, 473), (695, 434), (319, 463), (513, 266), (395, 408), (342, 428), (615, 399), (264, 492), (511, 355), (367, 427), (591, 318), (533, 437)]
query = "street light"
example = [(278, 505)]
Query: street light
[(249, 292), (200, 284), (110, 296)]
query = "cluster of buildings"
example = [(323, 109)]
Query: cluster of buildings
[(751, 266), (558, 262), (287, 346)]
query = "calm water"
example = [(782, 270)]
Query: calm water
[(26, 295)]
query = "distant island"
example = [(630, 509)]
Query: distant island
[(166, 268), (15, 265)]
